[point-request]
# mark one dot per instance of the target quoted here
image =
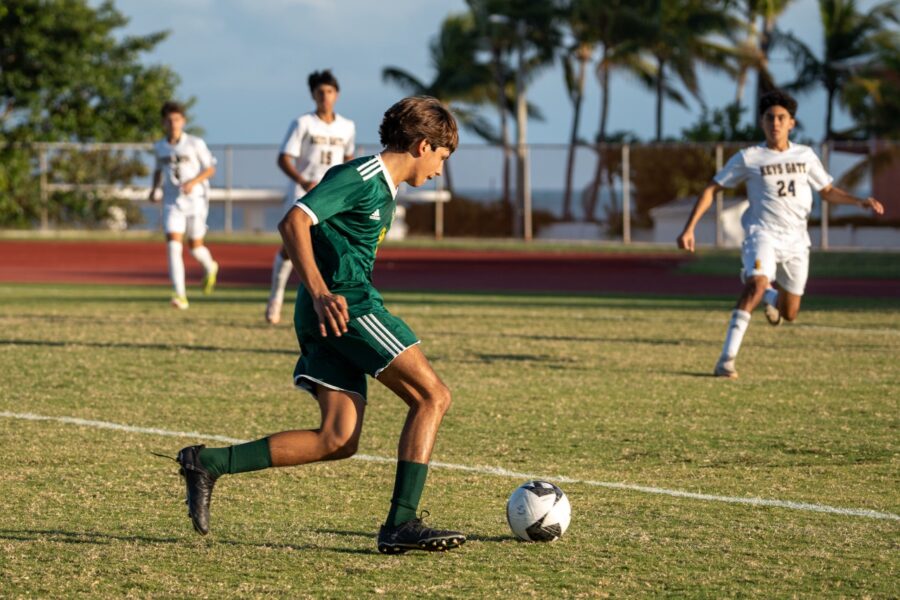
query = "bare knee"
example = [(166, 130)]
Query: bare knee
[(338, 444), (756, 287), (438, 398), (790, 314)]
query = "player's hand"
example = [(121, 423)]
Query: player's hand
[(874, 205), (686, 241), (187, 187), (333, 314), (308, 185)]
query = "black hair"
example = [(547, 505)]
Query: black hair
[(323, 77), (172, 107), (778, 98)]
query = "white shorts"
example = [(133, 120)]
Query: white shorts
[(777, 260), (192, 225)]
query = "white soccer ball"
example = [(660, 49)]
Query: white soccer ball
[(538, 511)]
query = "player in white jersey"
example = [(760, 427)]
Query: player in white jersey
[(314, 143), (780, 178), (183, 167)]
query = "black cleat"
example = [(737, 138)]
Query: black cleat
[(199, 485), (414, 535)]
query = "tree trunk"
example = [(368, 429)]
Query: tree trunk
[(523, 198), (764, 83), (589, 203), (829, 114), (660, 80), (504, 125), (573, 135)]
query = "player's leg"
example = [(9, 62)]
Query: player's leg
[(175, 224), (772, 301), (196, 231), (411, 377), (792, 275), (281, 272), (758, 258), (336, 437)]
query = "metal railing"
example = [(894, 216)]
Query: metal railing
[(626, 183)]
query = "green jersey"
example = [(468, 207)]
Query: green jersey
[(351, 209)]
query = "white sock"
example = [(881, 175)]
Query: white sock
[(770, 296), (281, 272), (740, 319), (201, 253), (176, 267)]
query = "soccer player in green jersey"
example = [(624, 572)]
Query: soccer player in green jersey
[(346, 333)]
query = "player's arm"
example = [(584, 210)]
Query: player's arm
[(200, 178), (330, 308), (704, 201), (836, 195), (286, 164), (157, 180)]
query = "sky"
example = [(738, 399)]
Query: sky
[(246, 63)]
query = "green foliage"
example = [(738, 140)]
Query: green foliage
[(661, 176), (850, 37), (464, 217), (66, 75), (721, 125)]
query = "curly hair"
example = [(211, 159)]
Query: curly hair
[(778, 98)]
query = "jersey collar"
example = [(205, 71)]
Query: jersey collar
[(387, 176)]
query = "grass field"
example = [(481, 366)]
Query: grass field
[(595, 390)]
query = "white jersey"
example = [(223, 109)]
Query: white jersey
[(180, 162), (316, 147), (779, 187)]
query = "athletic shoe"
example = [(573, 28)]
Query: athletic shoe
[(273, 311), (773, 315), (414, 535), (199, 485), (180, 302), (725, 368), (209, 279)]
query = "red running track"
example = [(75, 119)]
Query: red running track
[(144, 263)]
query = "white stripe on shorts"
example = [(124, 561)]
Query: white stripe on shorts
[(378, 324), (381, 334)]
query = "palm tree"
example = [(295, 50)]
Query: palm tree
[(752, 52), (612, 24), (677, 40), (499, 43), (530, 30), (850, 38), (574, 68), (768, 11), (460, 80)]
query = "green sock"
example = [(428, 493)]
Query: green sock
[(407, 491), (251, 456)]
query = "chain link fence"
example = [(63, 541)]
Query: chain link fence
[(617, 192)]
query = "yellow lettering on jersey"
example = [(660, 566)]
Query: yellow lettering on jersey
[(381, 236)]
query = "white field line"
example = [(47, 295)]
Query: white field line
[(488, 470)]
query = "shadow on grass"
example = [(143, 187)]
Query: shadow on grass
[(469, 537), (90, 537), (130, 346)]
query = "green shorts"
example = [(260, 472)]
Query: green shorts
[(371, 343)]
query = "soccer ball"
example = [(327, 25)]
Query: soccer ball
[(538, 511)]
